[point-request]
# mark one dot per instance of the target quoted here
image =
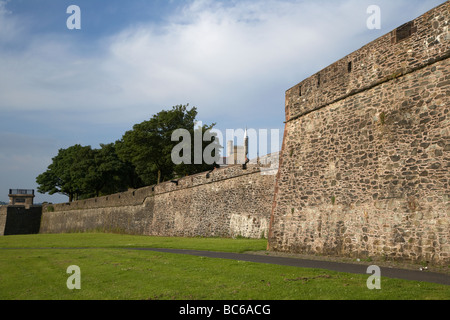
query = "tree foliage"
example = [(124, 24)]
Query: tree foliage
[(82, 172), (67, 172), (142, 157), (149, 145)]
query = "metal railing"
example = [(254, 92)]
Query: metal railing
[(21, 191)]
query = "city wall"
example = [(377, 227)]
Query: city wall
[(363, 170), (16, 220), (228, 202), (365, 161)]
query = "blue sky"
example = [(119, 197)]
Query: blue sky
[(233, 60)]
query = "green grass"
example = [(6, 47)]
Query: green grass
[(104, 240), (109, 271)]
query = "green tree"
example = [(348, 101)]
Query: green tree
[(142, 157), (149, 145), (109, 174), (82, 172), (67, 172), (190, 168)]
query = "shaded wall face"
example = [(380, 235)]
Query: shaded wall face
[(16, 220), (369, 175)]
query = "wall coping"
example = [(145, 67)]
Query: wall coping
[(135, 197), (368, 67)]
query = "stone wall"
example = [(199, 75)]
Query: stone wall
[(365, 161), (363, 170), (237, 206), (16, 220), (380, 61), (3, 215), (228, 202)]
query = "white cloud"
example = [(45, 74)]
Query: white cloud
[(217, 55), (226, 57), (9, 26), (231, 59)]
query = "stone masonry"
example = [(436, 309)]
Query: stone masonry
[(365, 162), (227, 202), (363, 170)]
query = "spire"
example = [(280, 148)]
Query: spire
[(246, 144)]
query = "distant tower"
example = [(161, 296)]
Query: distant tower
[(245, 145), (21, 197), (246, 159), (237, 154)]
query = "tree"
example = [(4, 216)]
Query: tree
[(82, 172), (142, 157), (109, 174), (199, 159), (67, 172), (148, 146)]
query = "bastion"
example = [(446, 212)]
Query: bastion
[(365, 161), (363, 172)]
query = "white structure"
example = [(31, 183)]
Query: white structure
[(237, 154)]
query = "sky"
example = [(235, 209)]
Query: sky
[(232, 60)]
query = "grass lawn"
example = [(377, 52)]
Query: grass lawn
[(30, 270)]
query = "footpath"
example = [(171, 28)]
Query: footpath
[(360, 268)]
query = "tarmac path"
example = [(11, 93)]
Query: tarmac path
[(388, 272)]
